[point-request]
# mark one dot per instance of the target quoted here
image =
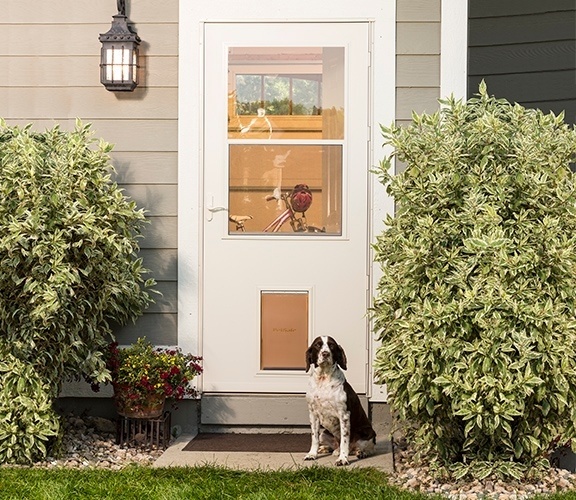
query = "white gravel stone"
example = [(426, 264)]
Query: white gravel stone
[(409, 475), (91, 442)]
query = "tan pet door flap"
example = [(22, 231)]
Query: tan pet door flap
[(283, 330)]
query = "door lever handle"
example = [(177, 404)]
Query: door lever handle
[(216, 209), (212, 210)]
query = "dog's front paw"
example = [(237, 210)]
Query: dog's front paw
[(311, 456), (342, 461)]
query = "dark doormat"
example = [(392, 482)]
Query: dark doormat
[(266, 443)]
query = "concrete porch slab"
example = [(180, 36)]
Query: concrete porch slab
[(174, 456)]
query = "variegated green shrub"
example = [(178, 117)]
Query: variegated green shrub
[(28, 423), (69, 268), (476, 306), (68, 244)]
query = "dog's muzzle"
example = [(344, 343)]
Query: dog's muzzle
[(324, 355)]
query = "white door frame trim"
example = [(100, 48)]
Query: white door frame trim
[(454, 49)]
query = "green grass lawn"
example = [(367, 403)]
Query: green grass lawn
[(144, 483)]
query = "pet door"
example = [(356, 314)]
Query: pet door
[(283, 330)]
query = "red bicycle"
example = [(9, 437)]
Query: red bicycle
[(296, 201)]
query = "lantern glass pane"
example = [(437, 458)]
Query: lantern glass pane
[(119, 63)]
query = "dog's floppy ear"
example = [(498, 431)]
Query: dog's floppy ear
[(340, 357), (311, 358)]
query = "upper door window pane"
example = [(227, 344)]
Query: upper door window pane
[(286, 93)]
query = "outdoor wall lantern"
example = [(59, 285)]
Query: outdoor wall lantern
[(119, 54)]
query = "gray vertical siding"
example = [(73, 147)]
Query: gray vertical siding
[(525, 50), (49, 74)]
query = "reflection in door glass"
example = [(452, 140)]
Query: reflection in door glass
[(286, 92), (285, 188)]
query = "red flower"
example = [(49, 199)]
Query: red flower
[(144, 370)]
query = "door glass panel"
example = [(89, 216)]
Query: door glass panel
[(288, 189), (286, 93)]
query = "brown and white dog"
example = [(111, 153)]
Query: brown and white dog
[(333, 405)]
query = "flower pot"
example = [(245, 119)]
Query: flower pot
[(152, 406)]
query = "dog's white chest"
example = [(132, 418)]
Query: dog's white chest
[(327, 401)]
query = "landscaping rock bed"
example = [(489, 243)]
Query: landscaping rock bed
[(413, 477), (91, 442)]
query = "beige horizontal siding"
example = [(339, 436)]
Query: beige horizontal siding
[(38, 40), (145, 167), (133, 140), (418, 10), (138, 135), (162, 262), (418, 70), (159, 199), (416, 99), (161, 233), (418, 38), (85, 11), (167, 302), (55, 71), (160, 329), (87, 103), (418, 31)]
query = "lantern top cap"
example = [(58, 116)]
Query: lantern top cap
[(119, 31)]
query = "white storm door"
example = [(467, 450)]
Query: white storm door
[(286, 105)]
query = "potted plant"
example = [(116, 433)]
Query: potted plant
[(144, 376)]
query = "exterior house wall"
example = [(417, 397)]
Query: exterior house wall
[(525, 50), (50, 75)]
